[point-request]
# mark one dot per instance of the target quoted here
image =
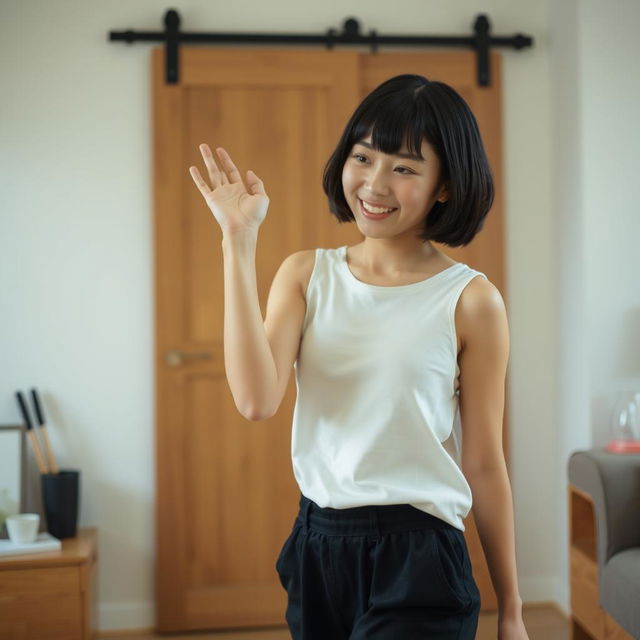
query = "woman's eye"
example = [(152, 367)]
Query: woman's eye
[(360, 159)]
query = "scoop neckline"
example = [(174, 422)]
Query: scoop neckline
[(396, 287)]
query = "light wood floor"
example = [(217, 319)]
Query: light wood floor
[(543, 622)]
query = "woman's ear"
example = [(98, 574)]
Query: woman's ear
[(443, 196)]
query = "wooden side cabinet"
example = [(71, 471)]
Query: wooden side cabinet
[(588, 620), (50, 595)]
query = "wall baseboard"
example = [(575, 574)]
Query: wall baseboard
[(116, 617), (124, 633), (545, 590)]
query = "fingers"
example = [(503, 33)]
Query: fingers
[(215, 175), (255, 184), (229, 174), (228, 166), (200, 183)]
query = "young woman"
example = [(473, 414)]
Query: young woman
[(391, 342)]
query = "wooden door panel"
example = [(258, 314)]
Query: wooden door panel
[(226, 492), (226, 495)]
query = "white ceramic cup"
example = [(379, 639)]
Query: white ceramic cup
[(23, 528)]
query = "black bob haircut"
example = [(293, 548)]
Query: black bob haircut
[(411, 108)]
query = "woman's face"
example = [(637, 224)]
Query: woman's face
[(373, 181)]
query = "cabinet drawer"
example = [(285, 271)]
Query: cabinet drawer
[(49, 596), (584, 594), (13, 630), (41, 617), (50, 580)]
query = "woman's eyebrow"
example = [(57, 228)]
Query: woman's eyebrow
[(408, 156)]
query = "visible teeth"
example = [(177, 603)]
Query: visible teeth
[(371, 209)]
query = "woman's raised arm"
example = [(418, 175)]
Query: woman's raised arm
[(256, 358)]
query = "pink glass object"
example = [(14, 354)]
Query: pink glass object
[(625, 424)]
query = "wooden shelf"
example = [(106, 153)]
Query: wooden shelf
[(51, 594), (587, 547), (588, 620)]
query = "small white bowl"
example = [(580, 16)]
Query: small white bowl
[(23, 528)]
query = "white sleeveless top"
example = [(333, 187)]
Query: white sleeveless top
[(376, 418)]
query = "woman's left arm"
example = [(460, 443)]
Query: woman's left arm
[(481, 321)]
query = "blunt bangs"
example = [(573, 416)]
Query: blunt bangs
[(409, 109), (391, 123)]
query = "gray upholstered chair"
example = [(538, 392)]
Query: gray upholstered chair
[(613, 482)]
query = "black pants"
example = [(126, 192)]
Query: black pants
[(380, 572)]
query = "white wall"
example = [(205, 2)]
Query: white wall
[(569, 338), (610, 77), (75, 246), (596, 153)]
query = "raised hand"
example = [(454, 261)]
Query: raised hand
[(235, 207)]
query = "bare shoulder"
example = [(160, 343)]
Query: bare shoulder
[(301, 264), (480, 311)]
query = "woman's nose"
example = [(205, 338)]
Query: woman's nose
[(376, 182)]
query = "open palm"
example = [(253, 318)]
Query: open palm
[(233, 205)]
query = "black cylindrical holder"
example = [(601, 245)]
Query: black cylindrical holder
[(60, 496)]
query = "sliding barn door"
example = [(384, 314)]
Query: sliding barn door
[(226, 497)]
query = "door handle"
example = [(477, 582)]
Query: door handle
[(175, 357)]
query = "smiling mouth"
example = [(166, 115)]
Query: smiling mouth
[(374, 215)]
